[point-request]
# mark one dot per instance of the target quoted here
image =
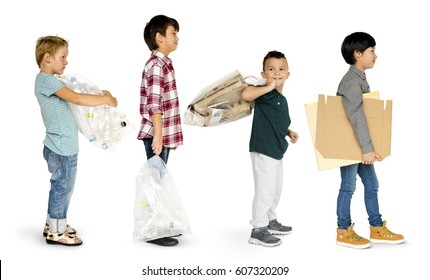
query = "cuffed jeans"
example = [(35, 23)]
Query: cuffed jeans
[(268, 183), (63, 174), (347, 189)]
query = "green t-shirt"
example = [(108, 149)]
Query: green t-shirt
[(270, 125)]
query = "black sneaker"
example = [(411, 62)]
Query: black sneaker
[(165, 241), (261, 236), (277, 228)]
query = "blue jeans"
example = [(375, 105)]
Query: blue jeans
[(347, 188), (149, 153), (63, 174)]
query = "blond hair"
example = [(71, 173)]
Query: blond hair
[(48, 44)]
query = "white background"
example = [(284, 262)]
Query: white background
[(212, 170)]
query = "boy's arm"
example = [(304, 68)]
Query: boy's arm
[(250, 93), (86, 99), (155, 79), (157, 141), (352, 100)]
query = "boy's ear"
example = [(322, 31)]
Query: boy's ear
[(357, 54), (47, 57), (159, 38)]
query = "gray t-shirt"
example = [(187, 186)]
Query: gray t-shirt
[(351, 88)]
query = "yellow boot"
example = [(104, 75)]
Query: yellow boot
[(383, 235), (350, 239)]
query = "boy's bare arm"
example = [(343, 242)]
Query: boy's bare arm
[(250, 93), (157, 142), (86, 99)]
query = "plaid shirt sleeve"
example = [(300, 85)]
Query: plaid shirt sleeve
[(154, 91)]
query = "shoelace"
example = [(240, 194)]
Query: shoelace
[(387, 233), (355, 236)]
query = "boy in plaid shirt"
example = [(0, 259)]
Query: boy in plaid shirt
[(160, 128)]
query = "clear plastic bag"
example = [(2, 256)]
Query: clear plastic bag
[(103, 125), (158, 209)]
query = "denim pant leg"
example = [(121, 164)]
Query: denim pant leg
[(368, 177), (149, 153), (63, 174), (347, 189)]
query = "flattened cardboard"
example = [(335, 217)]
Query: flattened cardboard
[(335, 137), (322, 163)]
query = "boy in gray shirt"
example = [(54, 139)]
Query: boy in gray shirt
[(358, 50)]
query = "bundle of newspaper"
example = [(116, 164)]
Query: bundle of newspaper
[(220, 102)]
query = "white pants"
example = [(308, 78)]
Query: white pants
[(268, 183)]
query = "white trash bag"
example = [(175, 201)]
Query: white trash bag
[(158, 209), (103, 125)]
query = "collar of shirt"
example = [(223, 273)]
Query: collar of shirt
[(162, 57), (354, 69)]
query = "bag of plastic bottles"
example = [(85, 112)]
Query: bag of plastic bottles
[(158, 209), (103, 125)]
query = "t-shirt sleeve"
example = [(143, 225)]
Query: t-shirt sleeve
[(51, 85)]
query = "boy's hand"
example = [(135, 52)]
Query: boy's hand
[(272, 84), (293, 136), (106, 93), (370, 158), (157, 145), (112, 100)]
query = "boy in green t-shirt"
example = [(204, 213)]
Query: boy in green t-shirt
[(267, 146)]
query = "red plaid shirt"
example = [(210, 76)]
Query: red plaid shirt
[(158, 95)]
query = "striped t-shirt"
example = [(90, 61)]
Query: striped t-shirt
[(61, 128)]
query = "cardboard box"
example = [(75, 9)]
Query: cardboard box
[(332, 134)]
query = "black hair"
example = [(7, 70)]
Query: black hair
[(158, 24), (272, 54), (357, 41)]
